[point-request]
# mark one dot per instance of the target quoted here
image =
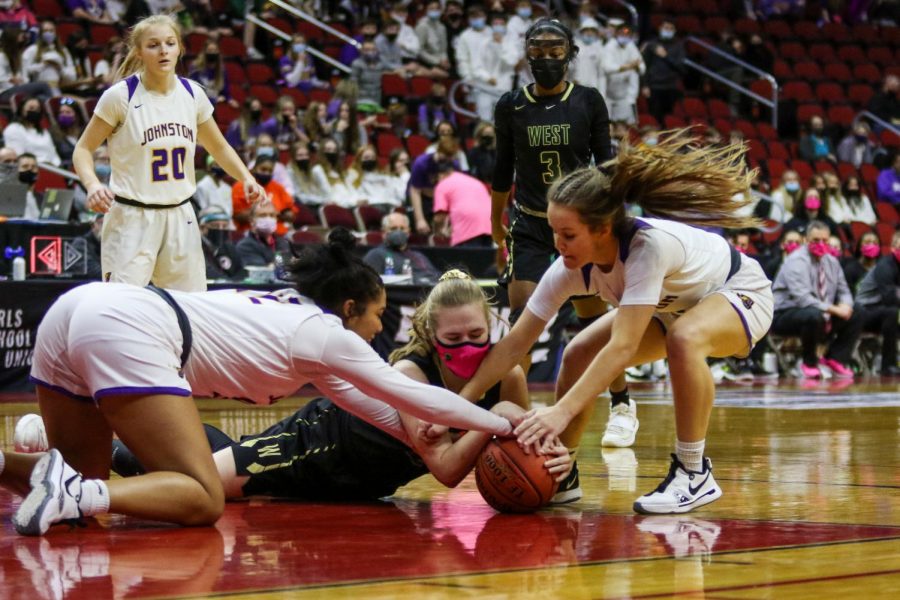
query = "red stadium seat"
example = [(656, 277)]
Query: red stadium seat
[(235, 72), (746, 27), (416, 144), (718, 109), (368, 218), (860, 94), (881, 55), (791, 50), (311, 32), (845, 170), (782, 70), (868, 73), (303, 236), (885, 232), (65, 28), (807, 31), (767, 131), (822, 53), (835, 32), (777, 150), (267, 94), (695, 108), (776, 168), (231, 46), (837, 72), (809, 71), (193, 42), (332, 215), (869, 174), (47, 180), (797, 90), (852, 53), (889, 139), (778, 29), (830, 92), (301, 100), (804, 171), (821, 166), (887, 213), (841, 114), (756, 150), (806, 111), (49, 9), (747, 128), (374, 238), (420, 87), (864, 33), (261, 73), (859, 229), (387, 142), (101, 34), (392, 85)]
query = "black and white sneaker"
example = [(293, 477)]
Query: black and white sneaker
[(681, 491), (55, 492), (569, 489)]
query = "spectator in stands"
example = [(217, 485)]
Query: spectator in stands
[(208, 69), (374, 186), (368, 29), (423, 179), (857, 204), (810, 210), (265, 146), (398, 167), (886, 103), (113, 55), (84, 82), (435, 110), (812, 300), (297, 67), (740, 241), (407, 40), (496, 69), (433, 44), (92, 238), (347, 129), (248, 126), (284, 125), (759, 54), (483, 155), (27, 165), (307, 188), (888, 183), (315, 121), (27, 133), (462, 208), (90, 11), (791, 239), (446, 129), (832, 201), (818, 183), (366, 72), (258, 247), (815, 144), (624, 68), (519, 23), (9, 172), (664, 58), (730, 70), (395, 227), (213, 189), (13, 78), (389, 50), (868, 251), (48, 60), (200, 16), (857, 148), (878, 299), (14, 14), (773, 9), (786, 196), (331, 176), (66, 130), (589, 68), (222, 258), (471, 42), (836, 248), (242, 209), (455, 22)]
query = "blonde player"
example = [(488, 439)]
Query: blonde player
[(153, 120)]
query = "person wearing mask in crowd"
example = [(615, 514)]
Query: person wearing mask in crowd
[(307, 188), (48, 60), (15, 14), (331, 175), (471, 42), (433, 43), (242, 207), (222, 258), (786, 197), (483, 155), (447, 129), (836, 248), (495, 70), (27, 133), (368, 29), (284, 125), (395, 227), (366, 72), (818, 183), (519, 23), (868, 251), (389, 50), (813, 301), (423, 178), (260, 244), (810, 210), (297, 67), (67, 130), (85, 83), (265, 146), (857, 205), (885, 104), (407, 40), (878, 298), (398, 168), (27, 165), (664, 58), (90, 11), (208, 69), (815, 143), (589, 68), (92, 239), (374, 186), (791, 239), (857, 148), (13, 78), (462, 209), (759, 55), (213, 189), (315, 121), (348, 130), (113, 54), (888, 182), (624, 68), (455, 22), (244, 130), (9, 171), (434, 111), (833, 201)]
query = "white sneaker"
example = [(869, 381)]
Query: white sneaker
[(30, 436), (685, 536), (681, 491), (55, 492), (569, 489), (621, 427)]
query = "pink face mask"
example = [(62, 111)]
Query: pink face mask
[(834, 251), (463, 359), (791, 246), (896, 252), (741, 249), (870, 250), (812, 203), (818, 249)]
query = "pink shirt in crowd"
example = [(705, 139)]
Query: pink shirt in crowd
[(468, 204)]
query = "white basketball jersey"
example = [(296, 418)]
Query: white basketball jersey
[(151, 149)]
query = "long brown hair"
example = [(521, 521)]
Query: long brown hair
[(132, 62), (673, 180)]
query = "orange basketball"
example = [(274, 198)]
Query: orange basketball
[(512, 481)]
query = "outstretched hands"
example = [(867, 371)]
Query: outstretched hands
[(540, 424)]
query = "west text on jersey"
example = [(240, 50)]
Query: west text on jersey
[(548, 135), (166, 130)]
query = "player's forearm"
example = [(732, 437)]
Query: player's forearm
[(455, 461), (83, 162)]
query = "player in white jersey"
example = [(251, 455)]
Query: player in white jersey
[(680, 293), (153, 121), (113, 358)]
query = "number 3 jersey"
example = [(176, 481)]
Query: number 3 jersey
[(543, 138), (151, 149)]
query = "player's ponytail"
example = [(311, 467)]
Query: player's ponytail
[(132, 64), (672, 180), (330, 274)]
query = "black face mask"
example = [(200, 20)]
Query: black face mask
[(396, 239), (217, 237), (437, 100), (218, 172), (303, 164), (212, 57), (369, 165), (33, 117), (486, 141), (331, 157), (255, 114), (263, 179), (548, 72), (391, 37), (27, 177)]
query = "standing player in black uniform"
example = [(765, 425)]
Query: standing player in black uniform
[(324, 453), (546, 130)]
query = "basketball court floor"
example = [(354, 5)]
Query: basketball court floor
[(810, 471)]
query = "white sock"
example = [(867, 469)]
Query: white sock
[(2, 462), (690, 454), (94, 497)]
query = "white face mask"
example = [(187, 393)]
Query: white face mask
[(265, 225)]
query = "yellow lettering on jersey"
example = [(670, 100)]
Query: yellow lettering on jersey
[(548, 135), (271, 450)]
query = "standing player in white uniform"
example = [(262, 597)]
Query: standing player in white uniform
[(153, 120), (680, 292), (123, 359)]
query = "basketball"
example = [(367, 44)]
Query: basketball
[(510, 480)]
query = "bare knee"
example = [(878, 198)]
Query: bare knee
[(684, 340), (578, 354), (207, 508)]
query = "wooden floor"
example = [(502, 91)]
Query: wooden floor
[(811, 475)]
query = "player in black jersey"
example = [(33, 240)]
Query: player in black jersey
[(323, 452), (544, 131)]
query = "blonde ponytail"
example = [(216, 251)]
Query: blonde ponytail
[(132, 64)]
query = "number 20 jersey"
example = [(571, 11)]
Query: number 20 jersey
[(151, 149), (546, 137)]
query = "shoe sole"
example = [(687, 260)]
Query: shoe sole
[(566, 497), (703, 500), (610, 442), (20, 438), (27, 519)]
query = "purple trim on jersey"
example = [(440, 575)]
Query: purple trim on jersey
[(131, 391), (625, 240), (746, 327), (187, 86), (59, 389), (132, 83)]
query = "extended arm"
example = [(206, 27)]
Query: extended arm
[(99, 197)]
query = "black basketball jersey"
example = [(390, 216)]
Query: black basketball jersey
[(542, 138), (429, 366)]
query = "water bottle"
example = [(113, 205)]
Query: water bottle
[(388, 265), (407, 268), (18, 269), (279, 268)]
